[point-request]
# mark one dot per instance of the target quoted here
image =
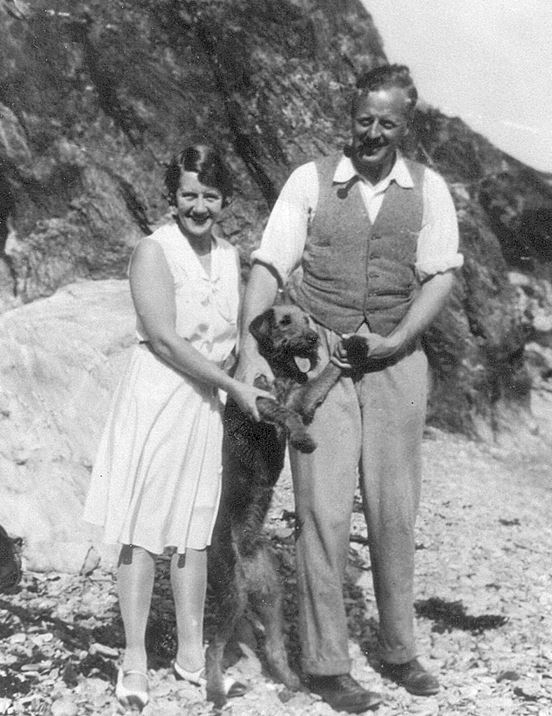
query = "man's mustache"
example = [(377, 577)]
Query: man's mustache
[(373, 143), (199, 217)]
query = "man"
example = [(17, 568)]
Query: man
[(377, 238)]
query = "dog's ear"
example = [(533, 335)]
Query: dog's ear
[(261, 326)]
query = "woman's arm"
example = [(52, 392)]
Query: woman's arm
[(151, 285)]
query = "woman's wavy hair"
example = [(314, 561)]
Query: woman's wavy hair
[(384, 77), (206, 161)]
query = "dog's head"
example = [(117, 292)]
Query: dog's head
[(10, 561), (284, 333)]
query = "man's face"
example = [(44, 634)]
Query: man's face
[(378, 125)]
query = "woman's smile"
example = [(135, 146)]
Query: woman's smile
[(198, 206)]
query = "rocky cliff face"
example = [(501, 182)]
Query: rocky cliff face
[(95, 96), (99, 96)]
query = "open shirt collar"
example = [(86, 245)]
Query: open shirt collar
[(345, 171)]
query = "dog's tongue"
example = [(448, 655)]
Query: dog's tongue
[(303, 364)]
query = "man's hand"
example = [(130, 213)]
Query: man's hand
[(340, 356), (422, 312), (384, 347), (259, 296), (362, 350)]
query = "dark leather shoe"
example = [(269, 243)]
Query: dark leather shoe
[(412, 675), (343, 693)]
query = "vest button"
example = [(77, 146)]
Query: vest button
[(376, 236)]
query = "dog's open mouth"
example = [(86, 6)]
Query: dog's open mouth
[(306, 360), (305, 353), (303, 364)]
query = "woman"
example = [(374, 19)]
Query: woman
[(156, 480)]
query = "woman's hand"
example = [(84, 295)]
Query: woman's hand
[(250, 366), (246, 398)]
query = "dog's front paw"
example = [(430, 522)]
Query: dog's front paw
[(357, 351), (302, 441)]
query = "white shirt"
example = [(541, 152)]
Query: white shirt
[(285, 234)]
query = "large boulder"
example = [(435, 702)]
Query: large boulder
[(60, 358)]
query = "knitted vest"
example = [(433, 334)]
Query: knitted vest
[(354, 271)]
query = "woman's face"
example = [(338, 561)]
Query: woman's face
[(198, 206)]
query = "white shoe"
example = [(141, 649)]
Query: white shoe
[(128, 697), (197, 678), (232, 688)]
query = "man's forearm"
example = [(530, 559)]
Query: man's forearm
[(260, 294), (427, 304)]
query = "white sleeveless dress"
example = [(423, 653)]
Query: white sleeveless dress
[(156, 478)]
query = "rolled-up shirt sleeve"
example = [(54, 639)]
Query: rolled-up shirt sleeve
[(438, 240), (285, 234)]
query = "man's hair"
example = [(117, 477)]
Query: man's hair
[(385, 77), (206, 162)]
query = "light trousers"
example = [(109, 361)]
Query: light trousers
[(369, 426)]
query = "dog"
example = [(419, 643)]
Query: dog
[(10, 562), (242, 569)]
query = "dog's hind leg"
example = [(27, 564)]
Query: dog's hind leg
[(267, 599), (231, 599), (228, 598)]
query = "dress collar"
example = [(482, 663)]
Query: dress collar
[(192, 258)]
